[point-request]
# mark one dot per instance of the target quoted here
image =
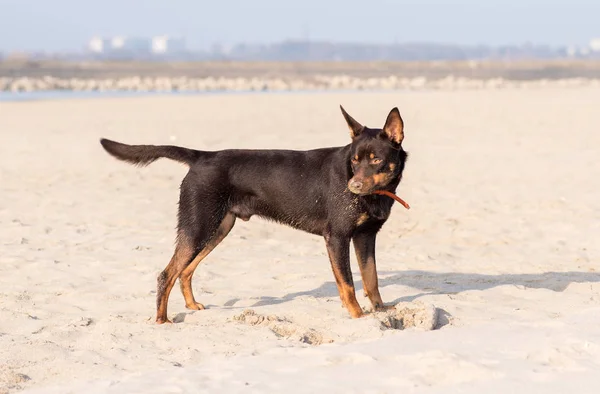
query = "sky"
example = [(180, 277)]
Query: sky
[(67, 25)]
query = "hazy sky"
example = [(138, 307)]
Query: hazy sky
[(68, 24)]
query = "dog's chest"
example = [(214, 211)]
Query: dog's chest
[(374, 210)]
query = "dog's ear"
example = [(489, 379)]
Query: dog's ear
[(394, 126), (355, 127)]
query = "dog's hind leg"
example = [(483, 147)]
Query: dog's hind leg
[(185, 278), (184, 254), (200, 216)]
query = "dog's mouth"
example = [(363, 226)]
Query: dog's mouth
[(366, 186), (362, 193), (361, 189), (354, 188)]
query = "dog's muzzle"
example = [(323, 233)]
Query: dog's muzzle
[(355, 186)]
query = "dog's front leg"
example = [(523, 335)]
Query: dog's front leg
[(364, 245), (338, 249)]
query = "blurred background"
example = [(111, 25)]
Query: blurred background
[(44, 44)]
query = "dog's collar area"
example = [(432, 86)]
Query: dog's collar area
[(393, 196)]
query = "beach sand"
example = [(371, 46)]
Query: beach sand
[(501, 237)]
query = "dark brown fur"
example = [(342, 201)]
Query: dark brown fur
[(325, 191)]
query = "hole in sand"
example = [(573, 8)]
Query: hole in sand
[(413, 315)]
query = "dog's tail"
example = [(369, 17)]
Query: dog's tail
[(142, 155)]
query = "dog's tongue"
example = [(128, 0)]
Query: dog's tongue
[(392, 195)]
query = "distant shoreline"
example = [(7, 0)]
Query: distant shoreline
[(137, 76), (315, 84), (521, 70)]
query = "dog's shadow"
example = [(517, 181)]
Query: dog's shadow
[(434, 283)]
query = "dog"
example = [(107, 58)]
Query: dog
[(327, 192)]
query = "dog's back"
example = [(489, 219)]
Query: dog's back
[(290, 187)]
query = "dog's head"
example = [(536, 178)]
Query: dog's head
[(376, 155)]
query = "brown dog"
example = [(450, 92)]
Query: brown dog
[(326, 192)]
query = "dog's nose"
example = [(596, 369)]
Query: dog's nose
[(355, 186)]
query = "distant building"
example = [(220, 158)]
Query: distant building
[(595, 45), (117, 43), (97, 45), (164, 45), (121, 46)]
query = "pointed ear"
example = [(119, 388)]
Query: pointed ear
[(394, 126), (355, 127)]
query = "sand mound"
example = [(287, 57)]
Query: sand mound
[(410, 315)]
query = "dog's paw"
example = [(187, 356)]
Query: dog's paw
[(357, 315), (196, 307)]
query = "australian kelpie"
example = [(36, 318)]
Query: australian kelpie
[(327, 192)]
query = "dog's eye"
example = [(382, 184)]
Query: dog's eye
[(354, 161), (375, 161)]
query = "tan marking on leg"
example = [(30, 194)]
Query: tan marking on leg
[(365, 254), (185, 278), (349, 299), (338, 285), (185, 282), (371, 283), (347, 294), (183, 254)]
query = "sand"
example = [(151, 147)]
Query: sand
[(502, 239)]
